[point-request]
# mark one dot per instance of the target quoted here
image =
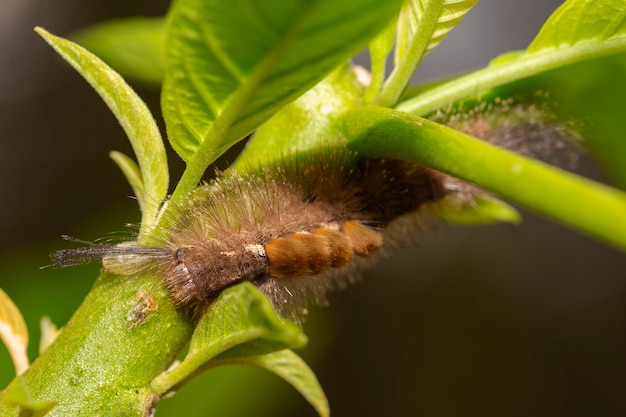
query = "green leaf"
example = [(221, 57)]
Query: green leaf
[(133, 175), (422, 24), (580, 21), (231, 66), (132, 114), (485, 209), (239, 324), (13, 332), (307, 123), (243, 323), (591, 29), (134, 47), (588, 206), (290, 367), (379, 48), (17, 394)]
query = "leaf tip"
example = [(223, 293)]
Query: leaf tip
[(485, 210), (42, 32)]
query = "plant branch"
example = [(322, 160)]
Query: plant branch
[(124, 334), (504, 71), (593, 208)]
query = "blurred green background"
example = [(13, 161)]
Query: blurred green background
[(481, 321)]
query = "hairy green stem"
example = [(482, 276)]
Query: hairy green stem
[(124, 334)]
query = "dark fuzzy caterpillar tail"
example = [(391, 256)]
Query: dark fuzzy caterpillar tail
[(96, 251), (531, 130)]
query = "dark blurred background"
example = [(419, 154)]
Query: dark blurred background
[(475, 321)]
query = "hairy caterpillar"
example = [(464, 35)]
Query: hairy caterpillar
[(297, 229)]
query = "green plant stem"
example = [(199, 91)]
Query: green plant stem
[(124, 334), (378, 76), (506, 71), (403, 72), (585, 205), (379, 48), (206, 154)]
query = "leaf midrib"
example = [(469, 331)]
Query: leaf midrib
[(214, 139)]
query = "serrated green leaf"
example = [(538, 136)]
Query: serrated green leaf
[(422, 24), (231, 66), (134, 47), (131, 112), (290, 367), (132, 174), (17, 394), (240, 323), (13, 332), (602, 35)]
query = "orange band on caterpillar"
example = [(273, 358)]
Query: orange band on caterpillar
[(304, 254)]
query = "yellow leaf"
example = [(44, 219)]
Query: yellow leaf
[(13, 332)]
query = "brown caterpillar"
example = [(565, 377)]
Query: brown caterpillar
[(296, 230)]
